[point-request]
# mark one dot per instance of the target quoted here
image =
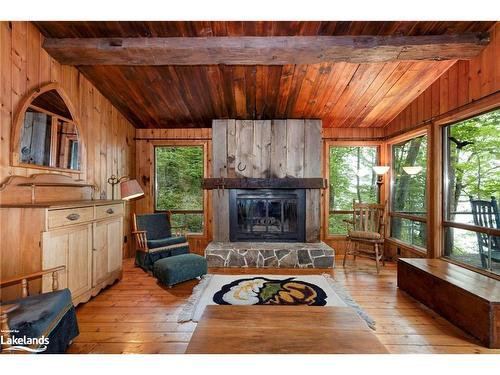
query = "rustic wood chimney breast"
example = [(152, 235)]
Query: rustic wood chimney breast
[(265, 149)]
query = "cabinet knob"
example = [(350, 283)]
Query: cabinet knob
[(110, 211), (73, 217)]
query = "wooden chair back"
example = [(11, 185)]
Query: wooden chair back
[(141, 233), (368, 217), (485, 214), (157, 225), (26, 278)]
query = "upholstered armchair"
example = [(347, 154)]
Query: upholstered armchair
[(365, 232), (48, 315), (155, 240)]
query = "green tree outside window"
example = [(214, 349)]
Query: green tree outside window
[(178, 185), (350, 177)]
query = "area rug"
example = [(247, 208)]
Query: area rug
[(312, 290)]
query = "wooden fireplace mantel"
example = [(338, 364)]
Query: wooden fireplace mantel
[(264, 183)]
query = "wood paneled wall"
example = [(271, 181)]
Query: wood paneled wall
[(107, 135), (464, 83)]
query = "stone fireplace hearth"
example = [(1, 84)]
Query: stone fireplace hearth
[(270, 255)]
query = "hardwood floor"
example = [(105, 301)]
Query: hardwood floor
[(137, 315)]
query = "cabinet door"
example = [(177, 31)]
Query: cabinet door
[(71, 248), (115, 244), (100, 253), (80, 260), (107, 250)]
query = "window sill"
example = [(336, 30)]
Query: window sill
[(336, 237), (195, 235), (413, 248)]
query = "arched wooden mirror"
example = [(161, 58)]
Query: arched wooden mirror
[(46, 133)]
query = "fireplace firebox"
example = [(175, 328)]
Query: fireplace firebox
[(272, 215)]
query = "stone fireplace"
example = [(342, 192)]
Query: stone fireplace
[(266, 193)]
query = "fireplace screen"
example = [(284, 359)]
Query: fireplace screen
[(267, 215)]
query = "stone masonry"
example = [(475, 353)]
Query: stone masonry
[(270, 254)]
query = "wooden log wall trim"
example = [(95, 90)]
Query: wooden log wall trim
[(187, 133), (268, 50), (264, 183), (347, 134), (107, 135), (465, 82)]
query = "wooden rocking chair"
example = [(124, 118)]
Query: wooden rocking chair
[(156, 238), (485, 214), (366, 228)]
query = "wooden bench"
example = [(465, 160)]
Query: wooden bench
[(468, 299)]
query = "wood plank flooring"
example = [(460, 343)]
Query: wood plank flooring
[(137, 315)]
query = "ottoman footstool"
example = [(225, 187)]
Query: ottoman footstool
[(179, 268)]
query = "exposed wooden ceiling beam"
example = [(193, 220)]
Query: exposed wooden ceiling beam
[(263, 50)]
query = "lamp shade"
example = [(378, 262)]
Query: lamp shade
[(381, 169), (413, 170), (130, 189)]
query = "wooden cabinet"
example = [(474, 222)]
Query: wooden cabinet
[(88, 240), (85, 236)]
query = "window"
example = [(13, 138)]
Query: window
[(350, 177), (178, 185), (408, 192), (471, 190)]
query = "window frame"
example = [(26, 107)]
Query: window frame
[(390, 177), (326, 174), (206, 160), (444, 127)]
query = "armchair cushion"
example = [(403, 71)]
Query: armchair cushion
[(365, 235), (166, 242), (49, 314), (176, 246), (156, 225)]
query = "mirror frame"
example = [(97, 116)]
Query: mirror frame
[(18, 125)]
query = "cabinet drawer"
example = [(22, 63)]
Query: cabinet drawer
[(69, 216), (102, 212)]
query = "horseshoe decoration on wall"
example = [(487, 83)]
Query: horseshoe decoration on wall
[(239, 167)]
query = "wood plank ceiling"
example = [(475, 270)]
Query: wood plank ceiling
[(341, 94)]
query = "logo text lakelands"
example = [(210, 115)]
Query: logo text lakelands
[(23, 343)]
